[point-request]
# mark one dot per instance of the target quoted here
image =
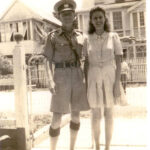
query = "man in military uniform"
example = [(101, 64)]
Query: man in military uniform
[(64, 50)]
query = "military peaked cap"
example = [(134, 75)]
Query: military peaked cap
[(64, 5)]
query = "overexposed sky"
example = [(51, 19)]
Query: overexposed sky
[(45, 5)]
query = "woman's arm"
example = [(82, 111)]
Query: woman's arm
[(117, 77), (118, 53), (86, 61), (86, 67)]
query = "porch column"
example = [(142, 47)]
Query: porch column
[(20, 86), (31, 29), (132, 34)]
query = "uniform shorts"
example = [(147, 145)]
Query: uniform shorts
[(70, 91)]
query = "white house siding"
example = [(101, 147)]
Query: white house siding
[(109, 9), (18, 11), (127, 18), (83, 21), (127, 23), (87, 4), (21, 18), (30, 47)]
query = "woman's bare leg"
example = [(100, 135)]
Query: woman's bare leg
[(96, 119), (108, 112)]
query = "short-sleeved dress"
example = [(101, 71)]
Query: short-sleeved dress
[(70, 88), (101, 74)]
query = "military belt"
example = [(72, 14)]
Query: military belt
[(66, 65)]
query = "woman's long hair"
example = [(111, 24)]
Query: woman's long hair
[(91, 29)]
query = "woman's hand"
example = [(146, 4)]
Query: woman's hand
[(116, 89), (52, 87)]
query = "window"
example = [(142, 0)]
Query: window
[(38, 31), (25, 30), (117, 20), (135, 25), (141, 51), (17, 27), (142, 19), (13, 28), (28, 31), (135, 20), (7, 32), (20, 27)]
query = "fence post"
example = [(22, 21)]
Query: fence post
[(20, 85)]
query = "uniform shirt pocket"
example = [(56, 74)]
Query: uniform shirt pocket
[(60, 47)]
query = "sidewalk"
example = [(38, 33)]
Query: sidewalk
[(132, 136)]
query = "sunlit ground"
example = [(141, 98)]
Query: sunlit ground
[(128, 135), (136, 96), (130, 124)]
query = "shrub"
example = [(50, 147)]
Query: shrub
[(5, 66)]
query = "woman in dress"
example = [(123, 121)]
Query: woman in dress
[(104, 52)]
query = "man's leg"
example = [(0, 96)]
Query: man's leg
[(96, 118), (108, 112), (54, 130), (74, 127)]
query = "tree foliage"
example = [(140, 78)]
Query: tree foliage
[(5, 66)]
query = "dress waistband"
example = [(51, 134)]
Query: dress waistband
[(102, 63)]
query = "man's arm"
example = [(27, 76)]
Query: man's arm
[(49, 73), (48, 53)]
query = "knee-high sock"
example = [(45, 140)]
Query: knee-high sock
[(74, 127), (54, 134)]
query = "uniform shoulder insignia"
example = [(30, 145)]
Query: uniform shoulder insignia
[(52, 33), (78, 31)]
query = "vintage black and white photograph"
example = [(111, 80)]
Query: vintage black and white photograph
[(74, 75)]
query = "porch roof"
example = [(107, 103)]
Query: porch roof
[(18, 10)]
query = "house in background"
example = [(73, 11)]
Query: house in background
[(27, 21), (33, 24), (127, 18)]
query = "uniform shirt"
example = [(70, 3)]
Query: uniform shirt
[(69, 82), (57, 48)]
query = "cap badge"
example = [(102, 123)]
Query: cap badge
[(66, 5)]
